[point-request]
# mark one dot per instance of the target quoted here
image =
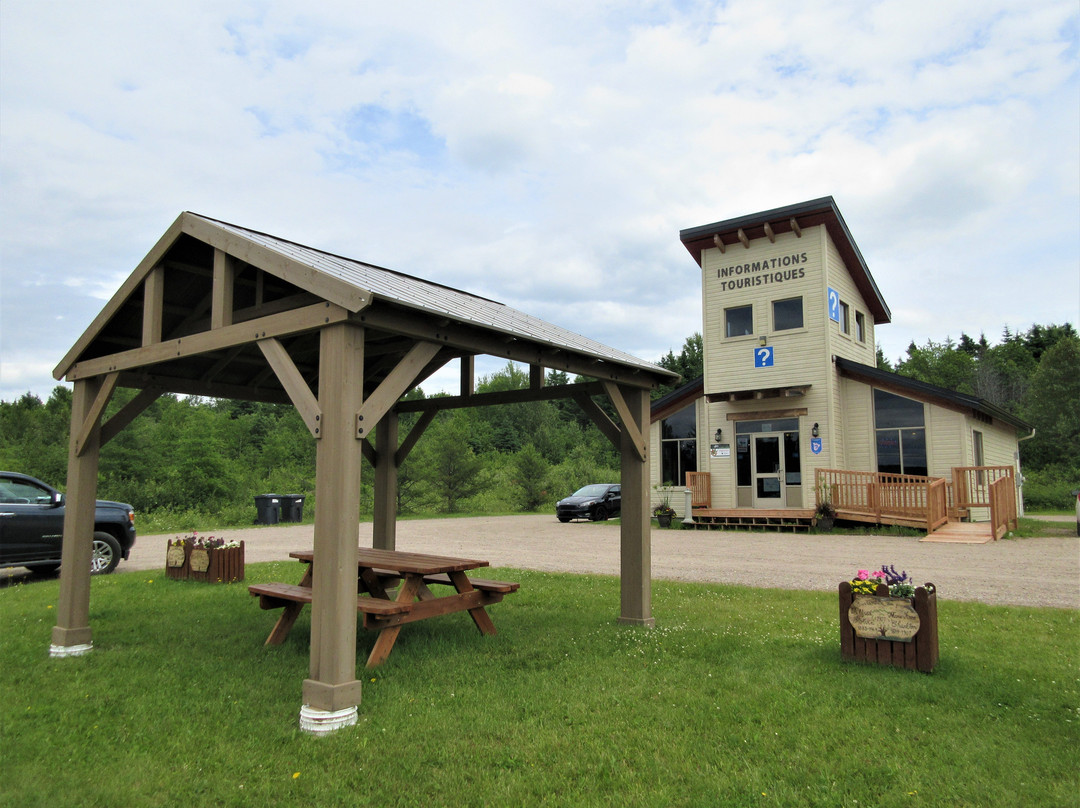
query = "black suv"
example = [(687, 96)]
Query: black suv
[(32, 527)]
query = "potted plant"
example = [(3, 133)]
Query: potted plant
[(824, 513), (212, 558), (664, 512), (824, 516), (886, 619)]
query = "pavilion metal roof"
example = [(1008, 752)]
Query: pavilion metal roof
[(434, 298), (171, 299)]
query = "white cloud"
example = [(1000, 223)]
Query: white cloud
[(545, 155)]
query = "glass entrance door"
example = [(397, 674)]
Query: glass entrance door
[(768, 471)]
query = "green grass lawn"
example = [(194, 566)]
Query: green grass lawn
[(738, 697)]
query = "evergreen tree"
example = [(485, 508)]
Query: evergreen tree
[(1052, 406)]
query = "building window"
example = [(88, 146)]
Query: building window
[(901, 434), (678, 446), (980, 458), (845, 323), (787, 314), (739, 321), (860, 326)]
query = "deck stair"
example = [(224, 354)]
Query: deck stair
[(779, 520), (962, 533)]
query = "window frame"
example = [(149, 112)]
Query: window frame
[(860, 326), (905, 432), (749, 307), (802, 314), (680, 447)]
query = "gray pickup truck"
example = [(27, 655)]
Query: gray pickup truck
[(32, 527)]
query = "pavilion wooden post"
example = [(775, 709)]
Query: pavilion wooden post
[(384, 527), (332, 692), (636, 528), (71, 634)]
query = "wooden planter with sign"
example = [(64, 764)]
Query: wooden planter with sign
[(222, 565), (901, 632)]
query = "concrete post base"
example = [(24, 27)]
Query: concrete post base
[(688, 519), (322, 722), (60, 651)]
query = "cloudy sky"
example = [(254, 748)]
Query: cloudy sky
[(545, 154)]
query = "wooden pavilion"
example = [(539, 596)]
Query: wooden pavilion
[(223, 311)]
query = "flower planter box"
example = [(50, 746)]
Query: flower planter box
[(223, 565), (919, 653)]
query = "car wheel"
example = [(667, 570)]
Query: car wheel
[(564, 518), (106, 554), (600, 514)]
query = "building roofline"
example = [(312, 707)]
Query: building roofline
[(921, 389), (785, 220), (674, 401)]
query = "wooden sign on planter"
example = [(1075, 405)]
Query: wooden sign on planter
[(222, 565), (888, 618), (887, 621)]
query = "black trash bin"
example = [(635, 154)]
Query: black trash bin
[(267, 509), (292, 508)]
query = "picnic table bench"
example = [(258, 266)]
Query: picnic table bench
[(392, 589)]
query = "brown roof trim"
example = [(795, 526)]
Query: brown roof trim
[(821, 211), (904, 385)]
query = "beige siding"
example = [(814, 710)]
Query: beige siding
[(945, 440), (721, 469), (857, 412), (840, 344), (766, 272)]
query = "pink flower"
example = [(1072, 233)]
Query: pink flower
[(863, 575), (879, 574)]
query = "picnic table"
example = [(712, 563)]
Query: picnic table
[(393, 588)]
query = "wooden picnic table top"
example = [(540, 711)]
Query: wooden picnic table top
[(415, 563)]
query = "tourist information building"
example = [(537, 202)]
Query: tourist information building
[(791, 384)]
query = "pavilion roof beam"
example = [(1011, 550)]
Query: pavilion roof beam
[(421, 425), (342, 293), (306, 319), (547, 393), (399, 381), (607, 427), (126, 414), (93, 415), (197, 387), (299, 393), (472, 340), (629, 426)]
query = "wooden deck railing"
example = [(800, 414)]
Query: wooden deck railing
[(700, 485), (1002, 496), (972, 484), (871, 496)]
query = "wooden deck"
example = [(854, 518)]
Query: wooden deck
[(778, 520), (962, 533), (932, 504)]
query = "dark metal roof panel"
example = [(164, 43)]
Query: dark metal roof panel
[(926, 390)]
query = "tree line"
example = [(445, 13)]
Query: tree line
[(189, 461)]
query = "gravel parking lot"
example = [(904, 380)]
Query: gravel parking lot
[(1022, 572)]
